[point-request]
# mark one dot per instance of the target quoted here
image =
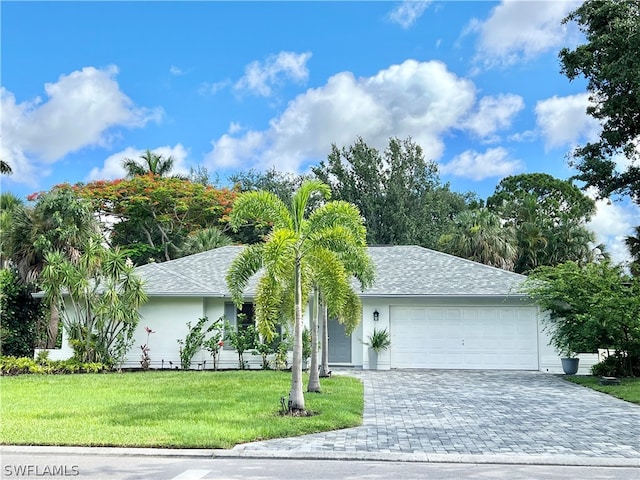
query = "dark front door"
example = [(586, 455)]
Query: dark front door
[(339, 343)]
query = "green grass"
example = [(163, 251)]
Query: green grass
[(167, 409), (629, 388)]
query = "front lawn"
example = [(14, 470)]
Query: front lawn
[(167, 408), (629, 388)]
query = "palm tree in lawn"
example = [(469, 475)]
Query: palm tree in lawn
[(149, 163), (301, 249), (357, 263), (480, 235)]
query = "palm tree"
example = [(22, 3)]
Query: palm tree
[(480, 235), (301, 249), (59, 221), (151, 163), (203, 240), (8, 203), (633, 243), (5, 168)]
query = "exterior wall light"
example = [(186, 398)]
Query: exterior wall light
[(376, 315)]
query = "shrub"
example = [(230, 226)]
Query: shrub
[(25, 365), (617, 365), (20, 316)]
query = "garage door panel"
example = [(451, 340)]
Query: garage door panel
[(464, 337)]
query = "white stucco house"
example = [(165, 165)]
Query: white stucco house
[(442, 312)]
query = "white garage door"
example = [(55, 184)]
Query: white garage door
[(464, 338)]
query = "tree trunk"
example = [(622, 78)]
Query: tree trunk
[(54, 325), (296, 396), (314, 378), (324, 367)]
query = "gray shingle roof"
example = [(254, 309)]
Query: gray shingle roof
[(400, 271)]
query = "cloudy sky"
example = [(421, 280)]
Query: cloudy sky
[(239, 85)]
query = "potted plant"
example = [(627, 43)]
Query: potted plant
[(379, 341)]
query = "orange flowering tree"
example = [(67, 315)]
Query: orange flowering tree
[(150, 215)]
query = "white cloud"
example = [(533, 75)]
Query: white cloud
[(563, 121), (494, 162), (213, 88), (493, 113), (519, 30), (407, 13), (177, 71), (421, 100), (260, 78), (612, 222), (112, 167), (80, 110)]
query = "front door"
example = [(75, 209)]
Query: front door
[(339, 343)]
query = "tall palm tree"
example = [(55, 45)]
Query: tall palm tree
[(149, 163), (301, 249), (479, 235), (8, 203)]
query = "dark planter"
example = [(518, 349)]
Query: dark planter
[(570, 365)]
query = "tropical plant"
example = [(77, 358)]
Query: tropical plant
[(379, 340), (98, 295), (149, 163), (241, 339), (480, 235), (59, 221), (633, 244), (145, 361), (302, 248), (5, 168), (203, 240)]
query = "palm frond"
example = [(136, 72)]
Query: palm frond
[(248, 262)]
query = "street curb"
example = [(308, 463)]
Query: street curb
[(417, 457)]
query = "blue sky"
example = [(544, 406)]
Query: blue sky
[(239, 85)]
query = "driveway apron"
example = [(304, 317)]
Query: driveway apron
[(467, 412)]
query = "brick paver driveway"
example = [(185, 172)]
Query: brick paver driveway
[(479, 413)]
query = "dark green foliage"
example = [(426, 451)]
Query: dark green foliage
[(21, 314), (616, 365), (398, 192), (591, 307), (241, 340), (610, 62), (548, 216)]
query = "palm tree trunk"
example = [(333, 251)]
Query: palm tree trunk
[(314, 378), (324, 364), (54, 325), (296, 396)]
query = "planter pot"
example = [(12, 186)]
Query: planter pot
[(373, 359), (570, 365)]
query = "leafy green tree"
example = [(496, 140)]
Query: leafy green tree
[(590, 307), (21, 314), (302, 248), (549, 217), (149, 163), (152, 216), (610, 62), (98, 294), (59, 221), (479, 235), (398, 192), (8, 203), (283, 185)]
